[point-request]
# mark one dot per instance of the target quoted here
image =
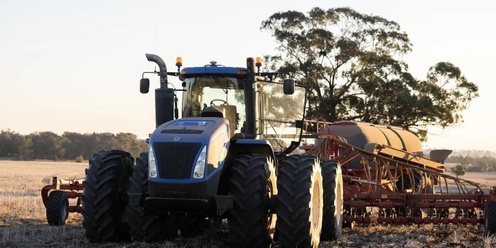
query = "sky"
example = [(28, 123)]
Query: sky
[(75, 65)]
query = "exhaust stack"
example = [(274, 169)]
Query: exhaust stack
[(161, 66)]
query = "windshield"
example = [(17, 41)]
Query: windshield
[(278, 114), (223, 93)]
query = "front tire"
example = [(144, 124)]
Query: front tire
[(57, 208), (299, 202), (253, 183), (105, 196), (146, 227), (332, 223)]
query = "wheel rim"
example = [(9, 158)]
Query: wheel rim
[(339, 203), (316, 210), (271, 217), (316, 205)]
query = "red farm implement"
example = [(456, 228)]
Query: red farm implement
[(56, 199), (387, 180)]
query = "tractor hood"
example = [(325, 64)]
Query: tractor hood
[(197, 130)]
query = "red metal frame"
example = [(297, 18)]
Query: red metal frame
[(73, 189), (374, 185)]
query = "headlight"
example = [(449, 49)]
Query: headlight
[(152, 165), (199, 170)]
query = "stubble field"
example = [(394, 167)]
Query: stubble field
[(23, 221)]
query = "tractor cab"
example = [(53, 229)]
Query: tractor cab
[(275, 109), (214, 91)]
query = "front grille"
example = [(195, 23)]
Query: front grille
[(175, 160)]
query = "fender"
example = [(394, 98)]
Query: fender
[(247, 146)]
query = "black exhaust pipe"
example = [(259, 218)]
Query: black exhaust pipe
[(164, 96), (164, 104), (161, 66), (250, 131)]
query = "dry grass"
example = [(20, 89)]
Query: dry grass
[(414, 236), (20, 187), (23, 221), (485, 179)]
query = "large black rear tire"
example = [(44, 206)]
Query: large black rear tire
[(105, 196), (57, 208), (252, 184), (490, 218), (332, 222), (146, 227), (299, 202)]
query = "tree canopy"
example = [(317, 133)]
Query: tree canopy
[(458, 170), (352, 64)]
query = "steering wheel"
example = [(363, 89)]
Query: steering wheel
[(218, 100)]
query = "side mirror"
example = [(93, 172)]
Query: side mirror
[(289, 86), (144, 85)]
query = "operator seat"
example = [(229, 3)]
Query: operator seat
[(223, 111), (212, 111)]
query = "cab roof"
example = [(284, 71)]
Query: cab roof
[(213, 70)]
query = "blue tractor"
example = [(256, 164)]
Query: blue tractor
[(233, 155)]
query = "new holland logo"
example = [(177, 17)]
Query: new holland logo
[(176, 138)]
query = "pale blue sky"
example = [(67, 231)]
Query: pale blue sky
[(75, 66)]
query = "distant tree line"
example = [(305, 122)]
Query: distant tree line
[(474, 164), (68, 146)]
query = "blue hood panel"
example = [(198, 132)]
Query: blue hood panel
[(191, 130)]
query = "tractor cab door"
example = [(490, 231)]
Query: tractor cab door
[(279, 115)]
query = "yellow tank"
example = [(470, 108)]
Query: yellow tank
[(368, 136), (362, 135)]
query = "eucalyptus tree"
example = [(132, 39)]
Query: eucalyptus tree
[(353, 65)]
